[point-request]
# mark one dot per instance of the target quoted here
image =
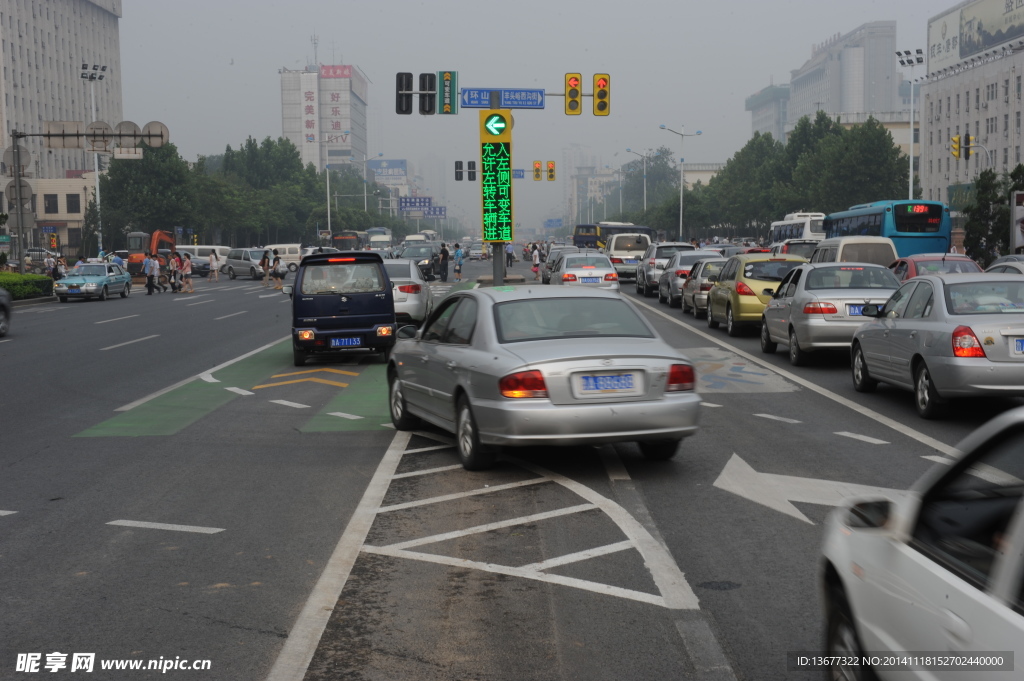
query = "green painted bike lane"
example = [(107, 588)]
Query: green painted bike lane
[(170, 413)]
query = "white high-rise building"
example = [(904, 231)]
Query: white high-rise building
[(44, 45), (323, 113)]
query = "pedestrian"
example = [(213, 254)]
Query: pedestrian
[(50, 263), (117, 260), (156, 273), (214, 266), (459, 257), (278, 270), (147, 271), (510, 254), (444, 262), (81, 260), (535, 255), (265, 264), (172, 272), (186, 273)]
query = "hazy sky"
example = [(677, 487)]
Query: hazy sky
[(208, 69)]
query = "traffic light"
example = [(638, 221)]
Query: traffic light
[(954, 145), (573, 94), (428, 93), (602, 95), (458, 171), (471, 170), (537, 167), (551, 171), (53, 241), (966, 148), (403, 93)]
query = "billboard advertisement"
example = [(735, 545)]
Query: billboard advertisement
[(309, 105), (388, 171), (977, 27)]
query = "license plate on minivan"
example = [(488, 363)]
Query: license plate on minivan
[(345, 342)]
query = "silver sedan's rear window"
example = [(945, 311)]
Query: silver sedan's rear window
[(985, 298), (590, 261), (547, 318), (852, 276)]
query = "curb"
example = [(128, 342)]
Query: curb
[(34, 301)]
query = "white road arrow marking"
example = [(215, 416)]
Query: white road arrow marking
[(777, 491)]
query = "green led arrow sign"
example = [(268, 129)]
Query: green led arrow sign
[(495, 124)]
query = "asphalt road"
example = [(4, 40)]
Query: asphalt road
[(247, 497)]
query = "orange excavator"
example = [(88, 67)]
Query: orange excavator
[(140, 243)]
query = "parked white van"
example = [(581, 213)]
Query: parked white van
[(201, 256), (879, 250), (290, 254)]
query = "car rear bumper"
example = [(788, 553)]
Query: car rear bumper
[(627, 271), (747, 309), (700, 300), (532, 422), (960, 376), (415, 310), (603, 285), (823, 333), (321, 342)]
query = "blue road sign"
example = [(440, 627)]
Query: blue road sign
[(518, 173), (480, 98), (555, 223), (435, 212)]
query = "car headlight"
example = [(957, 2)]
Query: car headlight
[(89, 287), (424, 262)]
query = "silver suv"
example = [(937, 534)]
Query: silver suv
[(653, 262), (245, 262)]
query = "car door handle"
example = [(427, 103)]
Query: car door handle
[(913, 334), (958, 629), (451, 365)]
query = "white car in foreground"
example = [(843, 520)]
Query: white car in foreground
[(930, 585)]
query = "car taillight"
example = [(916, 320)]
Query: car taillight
[(706, 287), (743, 290), (410, 288), (680, 377), (965, 343), (616, 261), (784, 249), (652, 262), (523, 384), (305, 335), (682, 273), (820, 308), (611, 277), (568, 277)]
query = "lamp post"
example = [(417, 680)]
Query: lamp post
[(644, 157), (92, 74), (682, 171), (909, 61)]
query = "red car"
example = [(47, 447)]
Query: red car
[(932, 263)]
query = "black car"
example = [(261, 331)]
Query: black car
[(342, 303), (5, 312), (427, 256)]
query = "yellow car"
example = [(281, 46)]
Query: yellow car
[(747, 282)]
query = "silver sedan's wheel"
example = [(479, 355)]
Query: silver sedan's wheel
[(862, 381), (797, 356), (768, 346), (400, 415), (467, 440), (926, 398), (5, 322)]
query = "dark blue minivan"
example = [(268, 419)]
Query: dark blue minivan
[(342, 303)]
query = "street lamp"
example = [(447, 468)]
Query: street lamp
[(365, 159), (682, 171), (909, 61), (644, 157), (92, 74), (618, 173)]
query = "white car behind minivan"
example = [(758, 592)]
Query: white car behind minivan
[(625, 252)]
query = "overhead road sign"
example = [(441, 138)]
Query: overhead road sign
[(448, 92), (440, 212), (518, 173), (408, 203), (554, 223), (480, 98)]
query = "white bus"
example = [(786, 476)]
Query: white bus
[(798, 226)]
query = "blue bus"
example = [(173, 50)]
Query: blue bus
[(913, 226), (596, 236)]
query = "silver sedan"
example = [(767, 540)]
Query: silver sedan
[(945, 336), (818, 305), (414, 299), (538, 365), (590, 269), (675, 272)]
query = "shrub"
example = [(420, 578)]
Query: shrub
[(22, 286)]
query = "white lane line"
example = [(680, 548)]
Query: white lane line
[(427, 449), (294, 405), (7, 340), (705, 652), (940, 459), (708, 404), (613, 465), (850, 404), (287, 300), (293, 660), (460, 495), (7, 512), (137, 340), (200, 302), (116, 319), (778, 418), (190, 297), (233, 314), (580, 555), (252, 292), (388, 425), (343, 415), (165, 526), (863, 438), (162, 391), (488, 527), (270, 295), (240, 391), (428, 471), (595, 587)]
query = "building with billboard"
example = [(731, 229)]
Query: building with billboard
[(323, 113), (975, 59)]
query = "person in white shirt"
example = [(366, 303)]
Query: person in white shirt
[(214, 267)]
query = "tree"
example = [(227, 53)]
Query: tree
[(985, 232), (150, 193)]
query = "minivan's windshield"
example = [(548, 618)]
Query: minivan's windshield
[(329, 277)]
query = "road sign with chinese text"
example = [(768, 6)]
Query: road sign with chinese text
[(440, 212), (496, 174), (480, 98), (408, 203), (448, 92)]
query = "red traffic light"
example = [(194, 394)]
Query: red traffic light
[(551, 165), (601, 82), (574, 81), (536, 164)]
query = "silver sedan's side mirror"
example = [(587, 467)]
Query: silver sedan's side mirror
[(659, 266), (407, 332)]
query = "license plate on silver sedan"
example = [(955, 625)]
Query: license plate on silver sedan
[(855, 310), (607, 383), (345, 342), (590, 280), (630, 262), (1018, 346)]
